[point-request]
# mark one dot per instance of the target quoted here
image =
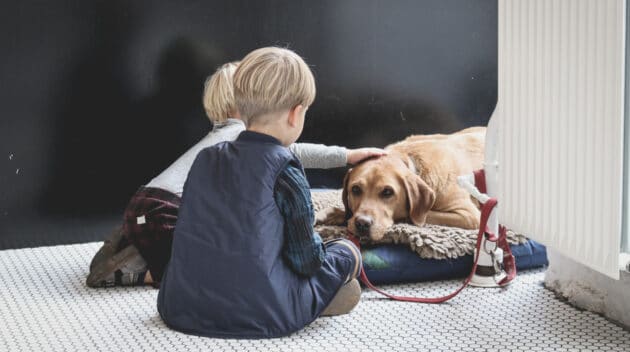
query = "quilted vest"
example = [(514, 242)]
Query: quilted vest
[(226, 277)]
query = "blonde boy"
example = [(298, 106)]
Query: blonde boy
[(245, 260)]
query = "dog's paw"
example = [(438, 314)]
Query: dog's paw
[(330, 216)]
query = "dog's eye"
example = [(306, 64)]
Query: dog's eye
[(356, 190), (387, 192)]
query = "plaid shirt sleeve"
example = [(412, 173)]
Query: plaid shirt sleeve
[(303, 248)]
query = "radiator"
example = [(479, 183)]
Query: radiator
[(558, 125)]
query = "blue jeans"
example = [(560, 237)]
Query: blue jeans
[(343, 263)]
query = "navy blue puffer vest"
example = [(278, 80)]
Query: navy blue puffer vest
[(226, 276)]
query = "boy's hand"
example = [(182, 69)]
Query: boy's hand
[(354, 156)]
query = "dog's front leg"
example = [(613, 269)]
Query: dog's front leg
[(331, 216)]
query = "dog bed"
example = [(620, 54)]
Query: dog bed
[(410, 253)]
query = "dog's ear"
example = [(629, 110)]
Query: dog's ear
[(409, 163), (420, 197), (344, 195)]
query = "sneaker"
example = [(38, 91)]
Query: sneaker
[(109, 247), (125, 268), (345, 299)]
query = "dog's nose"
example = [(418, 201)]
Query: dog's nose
[(363, 224)]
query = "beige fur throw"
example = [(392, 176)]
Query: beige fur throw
[(429, 241)]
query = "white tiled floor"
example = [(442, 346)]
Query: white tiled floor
[(45, 306)]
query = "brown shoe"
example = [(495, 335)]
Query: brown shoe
[(126, 268), (345, 300), (108, 249)]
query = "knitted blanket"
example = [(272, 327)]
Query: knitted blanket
[(429, 241)]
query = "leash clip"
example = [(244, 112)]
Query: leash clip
[(497, 262), (490, 252)]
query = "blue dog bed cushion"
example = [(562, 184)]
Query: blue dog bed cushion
[(413, 253), (397, 263)]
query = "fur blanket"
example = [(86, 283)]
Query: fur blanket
[(429, 241)]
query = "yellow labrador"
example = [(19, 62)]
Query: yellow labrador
[(416, 182)]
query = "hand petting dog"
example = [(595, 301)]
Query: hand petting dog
[(355, 156)]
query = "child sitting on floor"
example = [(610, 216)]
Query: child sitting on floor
[(137, 252), (246, 262)]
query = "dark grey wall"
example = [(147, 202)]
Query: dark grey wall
[(97, 97)]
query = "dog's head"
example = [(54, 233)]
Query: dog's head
[(382, 191)]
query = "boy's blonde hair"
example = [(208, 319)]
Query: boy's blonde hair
[(270, 80), (218, 93)]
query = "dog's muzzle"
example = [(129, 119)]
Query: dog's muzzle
[(363, 225)]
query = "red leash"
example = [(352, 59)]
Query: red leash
[(508, 259)]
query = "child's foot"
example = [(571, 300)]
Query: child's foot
[(109, 247), (125, 268), (345, 300)]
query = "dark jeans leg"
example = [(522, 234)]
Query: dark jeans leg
[(342, 264)]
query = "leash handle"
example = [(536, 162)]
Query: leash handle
[(509, 263), (483, 231), (480, 180)]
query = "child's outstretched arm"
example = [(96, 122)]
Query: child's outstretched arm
[(319, 156), (303, 249)]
